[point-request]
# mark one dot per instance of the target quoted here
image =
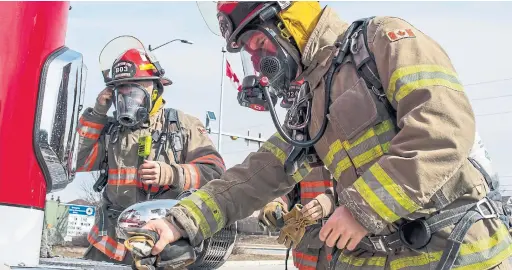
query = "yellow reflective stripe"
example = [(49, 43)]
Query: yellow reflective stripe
[(376, 261), (373, 261), (486, 243), (502, 256), (466, 249), (383, 127), (198, 216), (396, 191), (213, 207), (353, 260), (420, 80), (278, 153), (298, 176), (419, 260), (408, 88), (374, 201), (367, 135), (341, 167), (385, 147), (334, 148), (368, 156)]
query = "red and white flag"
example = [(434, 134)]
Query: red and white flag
[(232, 77)]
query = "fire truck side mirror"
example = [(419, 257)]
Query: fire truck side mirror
[(60, 99)]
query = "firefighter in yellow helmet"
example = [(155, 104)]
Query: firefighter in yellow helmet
[(144, 151), (314, 193), (383, 109)]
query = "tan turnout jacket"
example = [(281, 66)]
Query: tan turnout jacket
[(198, 163), (385, 173)]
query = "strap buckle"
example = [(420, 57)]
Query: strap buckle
[(378, 243), (489, 205)]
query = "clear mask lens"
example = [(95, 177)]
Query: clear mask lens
[(132, 104), (263, 56)]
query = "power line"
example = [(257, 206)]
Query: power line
[(487, 114), (485, 82), (485, 98)]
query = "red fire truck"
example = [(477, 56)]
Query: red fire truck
[(41, 93)]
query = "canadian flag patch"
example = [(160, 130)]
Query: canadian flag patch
[(201, 130), (400, 34)]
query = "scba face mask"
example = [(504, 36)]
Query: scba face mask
[(263, 56), (133, 104)]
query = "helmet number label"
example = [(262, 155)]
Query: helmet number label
[(123, 69)]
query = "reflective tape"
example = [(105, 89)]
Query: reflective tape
[(122, 177), (303, 171), (90, 160), (407, 79), (304, 261), (106, 244), (311, 189), (210, 159), (191, 176), (482, 254), (89, 129), (383, 195), (205, 212), (277, 146)]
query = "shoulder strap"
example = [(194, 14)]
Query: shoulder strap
[(366, 66), (171, 117)]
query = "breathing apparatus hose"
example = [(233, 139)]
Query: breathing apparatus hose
[(329, 79)]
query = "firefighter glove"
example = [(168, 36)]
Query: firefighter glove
[(140, 242), (103, 101), (272, 215), (294, 227)]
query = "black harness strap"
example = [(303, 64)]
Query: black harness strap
[(176, 139)]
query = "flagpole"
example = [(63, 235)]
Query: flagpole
[(219, 138)]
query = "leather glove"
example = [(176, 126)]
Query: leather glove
[(294, 228), (140, 242), (271, 215)]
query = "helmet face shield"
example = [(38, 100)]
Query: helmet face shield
[(262, 56), (132, 103)]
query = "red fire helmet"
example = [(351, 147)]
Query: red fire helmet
[(134, 65)]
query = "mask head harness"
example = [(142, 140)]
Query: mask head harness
[(136, 78)]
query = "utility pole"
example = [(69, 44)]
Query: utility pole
[(223, 68)]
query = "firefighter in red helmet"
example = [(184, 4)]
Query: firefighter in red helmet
[(382, 108), (145, 150)]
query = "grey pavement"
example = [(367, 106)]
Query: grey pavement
[(257, 265), (73, 264)]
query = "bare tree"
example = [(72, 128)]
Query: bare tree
[(88, 193)]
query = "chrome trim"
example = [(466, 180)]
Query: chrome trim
[(60, 98)]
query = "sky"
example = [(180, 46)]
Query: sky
[(474, 34)]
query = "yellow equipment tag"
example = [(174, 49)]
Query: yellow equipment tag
[(144, 146)]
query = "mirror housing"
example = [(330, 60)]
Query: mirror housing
[(60, 100)]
